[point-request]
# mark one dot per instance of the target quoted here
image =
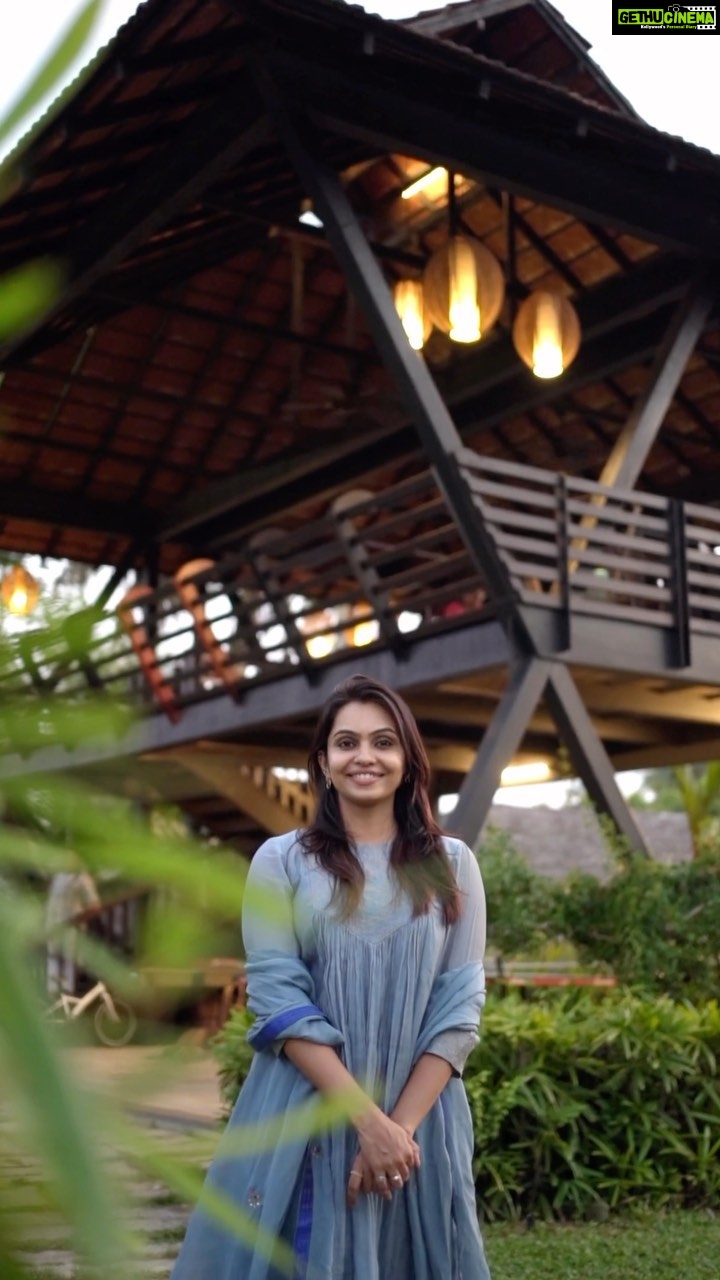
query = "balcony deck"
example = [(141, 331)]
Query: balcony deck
[(623, 585)]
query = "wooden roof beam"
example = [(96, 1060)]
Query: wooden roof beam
[(489, 406), (570, 176), (630, 452), (214, 139), (45, 506)]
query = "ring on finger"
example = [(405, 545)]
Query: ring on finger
[(397, 1180), (355, 1173)]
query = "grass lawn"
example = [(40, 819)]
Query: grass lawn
[(652, 1247)]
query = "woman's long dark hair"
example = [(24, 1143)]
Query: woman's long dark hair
[(418, 855)]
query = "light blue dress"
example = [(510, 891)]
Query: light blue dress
[(383, 987)]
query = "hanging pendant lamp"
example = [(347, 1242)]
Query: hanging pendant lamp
[(463, 283), (546, 333), (464, 289), (20, 591), (410, 305)]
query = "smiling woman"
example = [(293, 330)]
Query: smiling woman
[(367, 984)]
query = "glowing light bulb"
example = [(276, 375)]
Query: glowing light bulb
[(547, 338), (464, 312), (408, 296), (18, 601)]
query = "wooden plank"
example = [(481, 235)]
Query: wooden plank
[(709, 580), (703, 533), (380, 529), (429, 574), (610, 537), (473, 462), (705, 626), (632, 497), (510, 493), (618, 586), (422, 541), (535, 546), (608, 514), (705, 559), (628, 564), (503, 518), (707, 603), (439, 595), (627, 613)]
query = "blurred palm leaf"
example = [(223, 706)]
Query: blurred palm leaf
[(54, 68)]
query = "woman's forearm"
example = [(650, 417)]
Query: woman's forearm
[(385, 1146), (320, 1064), (423, 1088)]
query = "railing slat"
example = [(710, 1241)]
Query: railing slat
[(611, 515), (488, 488), (608, 609)]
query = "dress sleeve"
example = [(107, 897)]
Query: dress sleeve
[(464, 954), (280, 987)]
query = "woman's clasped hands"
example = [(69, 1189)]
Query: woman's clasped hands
[(387, 1156)]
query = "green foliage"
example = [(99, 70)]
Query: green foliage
[(54, 66), (233, 1054), (655, 927), (584, 1104), (700, 794), (520, 902), (26, 293), (581, 1104), (691, 789), (659, 791)]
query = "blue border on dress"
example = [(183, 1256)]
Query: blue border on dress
[(303, 1226), (274, 1026)]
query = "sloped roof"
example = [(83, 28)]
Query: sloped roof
[(555, 842), (204, 338)]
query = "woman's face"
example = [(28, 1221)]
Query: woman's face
[(365, 760)]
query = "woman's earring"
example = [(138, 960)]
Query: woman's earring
[(406, 778), (328, 783)]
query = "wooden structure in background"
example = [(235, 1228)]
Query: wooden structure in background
[(538, 559)]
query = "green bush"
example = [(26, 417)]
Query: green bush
[(656, 927), (521, 907), (581, 1104), (587, 1103), (233, 1054)]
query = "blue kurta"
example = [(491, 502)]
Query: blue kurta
[(383, 987)]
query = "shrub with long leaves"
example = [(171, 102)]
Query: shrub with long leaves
[(582, 1103)]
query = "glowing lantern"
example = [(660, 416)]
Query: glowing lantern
[(365, 631), (20, 591), (320, 640), (410, 306), (546, 333), (463, 289)]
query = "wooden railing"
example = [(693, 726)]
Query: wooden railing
[(572, 544), (380, 573), (375, 574)]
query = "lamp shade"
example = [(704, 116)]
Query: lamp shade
[(364, 628), (546, 333), (463, 289), (321, 639), (349, 499), (409, 299), (20, 591)]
